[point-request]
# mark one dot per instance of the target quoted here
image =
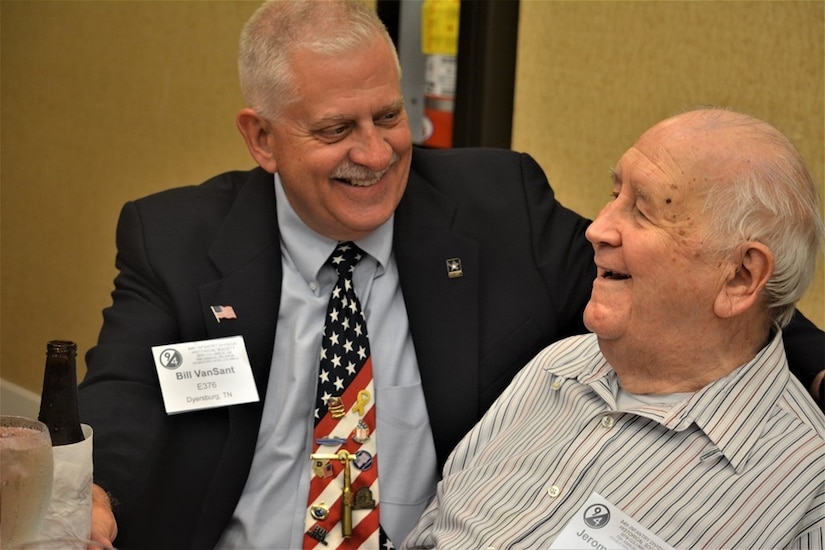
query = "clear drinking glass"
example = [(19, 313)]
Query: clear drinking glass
[(26, 467)]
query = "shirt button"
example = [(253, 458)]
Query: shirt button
[(556, 384), (313, 286), (553, 491), (607, 421)]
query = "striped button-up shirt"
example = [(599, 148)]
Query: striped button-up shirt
[(738, 464)]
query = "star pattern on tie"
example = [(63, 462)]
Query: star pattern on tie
[(345, 344)]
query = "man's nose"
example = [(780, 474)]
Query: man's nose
[(604, 229), (371, 149)]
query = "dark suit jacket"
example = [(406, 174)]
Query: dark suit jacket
[(176, 479)]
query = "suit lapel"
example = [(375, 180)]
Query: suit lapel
[(443, 310), (247, 254)]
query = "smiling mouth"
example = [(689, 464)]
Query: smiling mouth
[(356, 175), (359, 182)]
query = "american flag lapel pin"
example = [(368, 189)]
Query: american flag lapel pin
[(454, 268), (223, 312)]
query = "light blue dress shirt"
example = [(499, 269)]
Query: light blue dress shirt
[(270, 513)]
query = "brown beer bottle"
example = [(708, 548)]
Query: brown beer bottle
[(58, 401)]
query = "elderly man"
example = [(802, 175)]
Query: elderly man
[(679, 414)]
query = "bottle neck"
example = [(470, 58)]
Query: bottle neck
[(58, 401)]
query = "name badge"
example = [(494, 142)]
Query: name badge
[(599, 524), (204, 374)]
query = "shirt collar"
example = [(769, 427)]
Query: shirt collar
[(731, 411), (309, 250)]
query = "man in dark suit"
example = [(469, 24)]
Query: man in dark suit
[(472, 267)]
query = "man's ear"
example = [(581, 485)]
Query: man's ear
[(754, 263), (257, 134)]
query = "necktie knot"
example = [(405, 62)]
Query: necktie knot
[(344, 258)]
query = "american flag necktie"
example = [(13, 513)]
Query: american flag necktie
[(342, 509)]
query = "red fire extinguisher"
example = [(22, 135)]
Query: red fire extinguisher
[(439, 42)]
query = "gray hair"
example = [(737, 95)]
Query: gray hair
[(773, 201), (280, 28)]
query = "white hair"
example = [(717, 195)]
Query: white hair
[(279, 28), (773, 201)]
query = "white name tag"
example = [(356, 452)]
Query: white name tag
[(204, 374), (600, 525)]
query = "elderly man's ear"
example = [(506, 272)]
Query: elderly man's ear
[(753, 264)]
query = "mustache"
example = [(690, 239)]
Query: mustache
[(355, 172)]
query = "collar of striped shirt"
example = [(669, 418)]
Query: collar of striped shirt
[(730, 411)]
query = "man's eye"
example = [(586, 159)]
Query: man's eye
[(333, 133), (388, 118)]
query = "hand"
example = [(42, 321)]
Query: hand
[(104, 526)]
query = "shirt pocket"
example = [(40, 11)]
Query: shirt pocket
[(406, 452)]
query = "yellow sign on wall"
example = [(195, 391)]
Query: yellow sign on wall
[(439, 27)]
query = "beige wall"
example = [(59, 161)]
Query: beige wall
[(103, 102)]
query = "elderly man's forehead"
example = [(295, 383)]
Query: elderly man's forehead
[(700, 147), (711, 129), (681, 146), (657, 160)]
